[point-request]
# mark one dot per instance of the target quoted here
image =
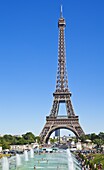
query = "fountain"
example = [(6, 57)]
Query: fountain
[(76, 164), (70, 160), (5, 163), (31, 153), (18, 160), (26, 155), (57, 160)]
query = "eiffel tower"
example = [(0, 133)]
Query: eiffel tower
[(61, 95)]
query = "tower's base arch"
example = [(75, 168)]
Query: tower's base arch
[(53, 124)]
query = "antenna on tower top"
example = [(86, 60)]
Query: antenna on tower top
[(61, 14)]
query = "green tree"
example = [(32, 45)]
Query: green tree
[(83, 138), (94, 136), (21, 141), (98, 142), (8, 138), (29, 137), (6, 145), (101, 135), (14, 140)]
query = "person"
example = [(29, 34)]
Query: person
[(34, 167)]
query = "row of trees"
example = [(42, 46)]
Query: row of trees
[(27, 138), (97, 139)]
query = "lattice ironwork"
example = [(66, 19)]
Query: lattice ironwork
[(61, 95)]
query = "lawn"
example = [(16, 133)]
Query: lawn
[(98, 158)]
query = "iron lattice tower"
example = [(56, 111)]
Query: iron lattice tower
[(61, 95)]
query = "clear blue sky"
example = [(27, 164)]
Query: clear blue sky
[(28, 62)]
